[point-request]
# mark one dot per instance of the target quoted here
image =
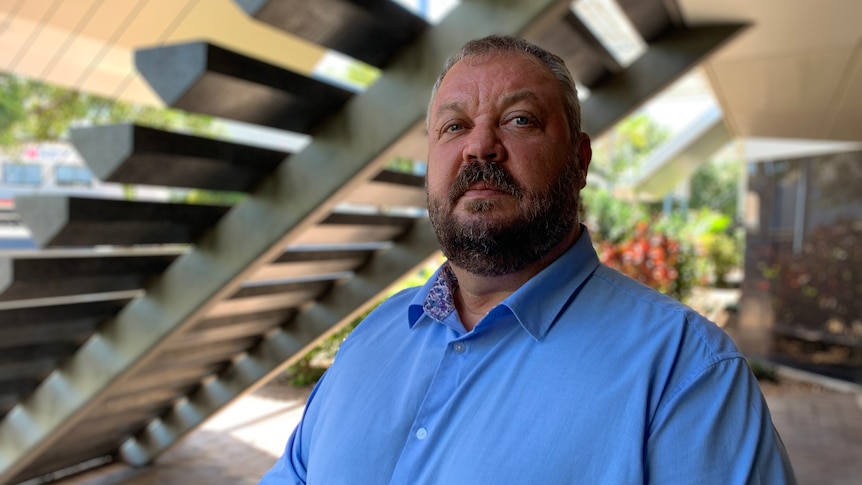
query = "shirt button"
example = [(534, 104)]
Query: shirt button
[(421, 433), (459, 347)]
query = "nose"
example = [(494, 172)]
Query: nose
[(484, 144)]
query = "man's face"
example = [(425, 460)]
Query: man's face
[(503, 176)]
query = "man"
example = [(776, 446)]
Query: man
[(523, 360)]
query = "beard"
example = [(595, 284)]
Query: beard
[(494, 246)]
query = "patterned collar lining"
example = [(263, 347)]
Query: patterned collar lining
[(440, 303)]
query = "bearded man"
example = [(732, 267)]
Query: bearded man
[(523, 360)]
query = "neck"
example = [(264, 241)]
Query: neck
[(476, 295)]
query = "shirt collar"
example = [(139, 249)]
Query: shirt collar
[(536, 304), (439, 303)]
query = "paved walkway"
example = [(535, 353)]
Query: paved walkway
[(820, 425), (235, 447)]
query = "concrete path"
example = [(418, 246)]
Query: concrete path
[(820, 423)]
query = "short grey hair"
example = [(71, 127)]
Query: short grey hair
[(496, 44)]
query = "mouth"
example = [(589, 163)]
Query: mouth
[(483, 180), (483, 189)]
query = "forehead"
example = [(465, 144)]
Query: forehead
[(494, 76)]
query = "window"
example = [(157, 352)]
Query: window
[(72, 175), (22, 173)]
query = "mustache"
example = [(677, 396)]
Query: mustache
[(490, 173)]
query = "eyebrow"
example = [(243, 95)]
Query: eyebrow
[(451, 106), (520, 96), (507, 100)]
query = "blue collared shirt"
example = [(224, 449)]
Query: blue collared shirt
[(580, 376)]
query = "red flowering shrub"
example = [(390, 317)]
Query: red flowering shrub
[(652, 258)]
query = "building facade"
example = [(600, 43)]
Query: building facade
[(802, 295)]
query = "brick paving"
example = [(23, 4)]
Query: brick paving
[(821, 427), (822, 431)]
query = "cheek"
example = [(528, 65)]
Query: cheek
[(436, 182), (441, 172), (539, 168)]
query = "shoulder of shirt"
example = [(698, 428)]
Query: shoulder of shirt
[(706, 332), (700, 348), (630, 287)]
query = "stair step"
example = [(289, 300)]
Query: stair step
[(299, 263), (204, 78), (48, 273), (57, 221), (391, 189), (133, 154), (247, 325), (22, 368), (651, 18), (55, 324), (272, 297), (371, 31), (670, 55), (343, 227)]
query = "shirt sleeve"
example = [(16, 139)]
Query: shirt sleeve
[(290, 468), (716, 428)]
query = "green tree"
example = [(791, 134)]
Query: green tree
[(32, 111), (622, 149), (404, 165), (610, 218), (619, 152), (704, 245), (715, 185)]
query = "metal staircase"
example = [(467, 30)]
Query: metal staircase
[(138, 320)]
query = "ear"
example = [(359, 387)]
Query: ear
[(585, 155)]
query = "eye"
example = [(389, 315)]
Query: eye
[(521, 120), (452, 127)]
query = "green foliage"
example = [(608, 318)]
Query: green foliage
[(31, 111), (763, 371), (714, 244), (611, 218), (362, 74), (723, 253), (624, 147), (405, 165), (129, 192), (12, 110), (213, 197), (715, 186), (304, 372), (348, 71), (310, 368), (672, 253)]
